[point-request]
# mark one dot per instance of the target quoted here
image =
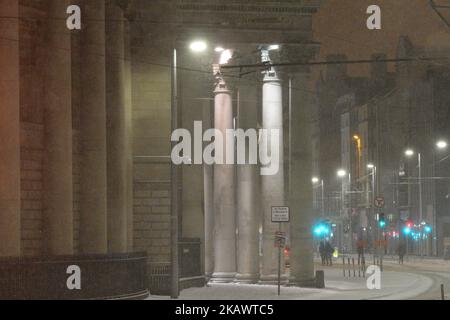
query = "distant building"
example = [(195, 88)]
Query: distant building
[(374, 121)]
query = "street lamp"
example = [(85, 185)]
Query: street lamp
[(195, 46), (409, 153), (198, 46), (441, 144), (315, 181), (341, 173)]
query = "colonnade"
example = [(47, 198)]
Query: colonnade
[(104, 141), (240, 247)]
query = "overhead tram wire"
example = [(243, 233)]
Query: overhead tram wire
[(433, 60)]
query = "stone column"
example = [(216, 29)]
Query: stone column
[(128, 132), (58, 190), (301, 192), (248, 192), (117, 167), (272, 185), (208, 202), (224, 193), (93, 239), (9, 130)]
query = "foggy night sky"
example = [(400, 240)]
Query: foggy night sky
[(340, 27)]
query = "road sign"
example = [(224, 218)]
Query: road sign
[(280, 239), (379, 202), (280, 214)]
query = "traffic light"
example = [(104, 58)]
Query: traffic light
[(381, 221), (406, 230), (321, 229), (427, 229), (409, 224)]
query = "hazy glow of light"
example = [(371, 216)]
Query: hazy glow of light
[(198, 46), (219, 49), (225, 56), (370, 166), (274, 47), (315, 180), (341, 173), (409, 153), (442, 144)]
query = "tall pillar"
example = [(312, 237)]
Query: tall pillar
[(93, 226), (224, 193), (58, 188), (247, 193), (272, 185), (128, 136), (208, 202), (117, 167), (9, 130), (301, 191)]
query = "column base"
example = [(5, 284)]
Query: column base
[(302, 283), (208, 276), (246, 278), (222, 277), (272, 279)]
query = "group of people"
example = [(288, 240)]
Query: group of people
[(326, 251)]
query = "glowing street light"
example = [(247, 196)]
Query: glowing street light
[(315, 180), (409, 153), (341, 173), (273, 47), (441, 144), (370, 166), (198, 46)]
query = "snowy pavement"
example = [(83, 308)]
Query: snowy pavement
[(396, 285)]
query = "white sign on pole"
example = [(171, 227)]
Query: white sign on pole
[(280, 214)]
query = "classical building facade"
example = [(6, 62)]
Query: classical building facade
[(85, 146)]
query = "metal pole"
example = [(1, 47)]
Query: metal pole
[(279, 262), (174, 188), (323, 199), (350, 211), (419, 157)]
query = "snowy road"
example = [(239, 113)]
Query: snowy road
[(419, 279)]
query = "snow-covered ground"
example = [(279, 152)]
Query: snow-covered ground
[(394, 285)]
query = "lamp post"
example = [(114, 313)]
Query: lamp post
[(195, 46), (410, 153), (373, 169), (342, 174), (174, 181), (315, 181)]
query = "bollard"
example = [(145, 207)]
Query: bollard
[(359, 268), (348, 263), (442, 292), (354, 271), (320, 279), (364, 267)]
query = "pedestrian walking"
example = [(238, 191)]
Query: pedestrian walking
[(360, 246), (329, 253), (322, 252), (401, 252)]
